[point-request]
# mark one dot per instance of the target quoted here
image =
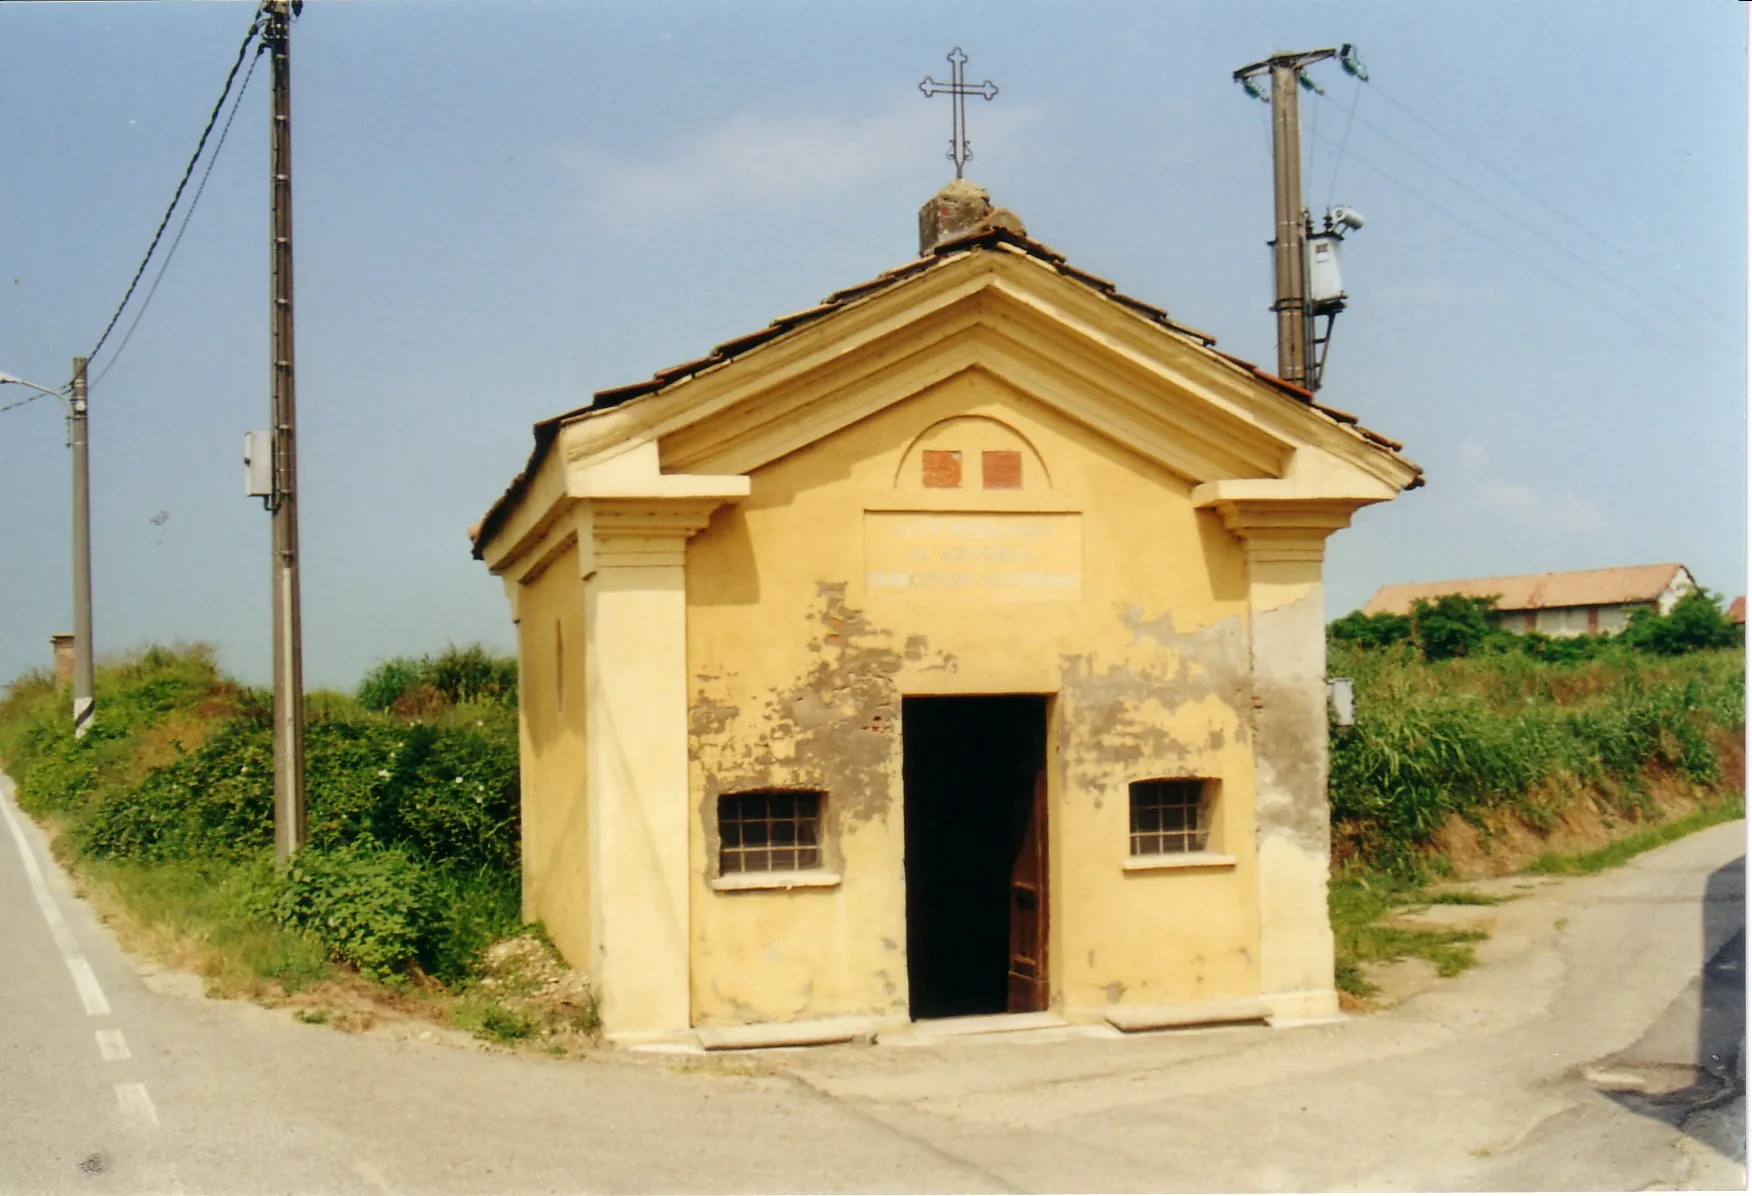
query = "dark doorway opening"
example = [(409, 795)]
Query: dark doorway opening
[(974, 771)]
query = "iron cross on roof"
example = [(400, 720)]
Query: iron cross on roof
[(959, 90)]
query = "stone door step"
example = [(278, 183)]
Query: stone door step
[(937, 1028), (1134, 1019), (786, 1034)]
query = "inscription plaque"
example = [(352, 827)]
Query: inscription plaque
[(980, 555)]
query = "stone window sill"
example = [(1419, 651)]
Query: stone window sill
[(736, 882), (1178, 860)]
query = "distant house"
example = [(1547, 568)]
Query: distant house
[(1737, 610), (1583, 602)]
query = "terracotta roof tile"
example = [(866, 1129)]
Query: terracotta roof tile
[(1083, 276), (1385, 442), (1537, 591), (731, 348), (1343, 417), (1147, 309)]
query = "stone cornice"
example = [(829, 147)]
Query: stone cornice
[(1280, 521), (646, 532)]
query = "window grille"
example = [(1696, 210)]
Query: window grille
[(769, 831), (1169, 816)]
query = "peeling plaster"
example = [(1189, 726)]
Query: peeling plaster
[(1119, 714), (1290, 726), (837, 728)]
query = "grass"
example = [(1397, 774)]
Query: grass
[(163, 814), (1462, 897), (1359, 901), (1588, 863), (206, 918), (484, 1018), (1478, 739)]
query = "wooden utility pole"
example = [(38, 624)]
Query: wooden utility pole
[(289, 820), (83, 707), (1290, 245)]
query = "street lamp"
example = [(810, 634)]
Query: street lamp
[(74, 398)]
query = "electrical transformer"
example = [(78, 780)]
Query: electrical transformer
[(1325, 287)]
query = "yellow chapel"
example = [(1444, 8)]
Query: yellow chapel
[(951, 647)]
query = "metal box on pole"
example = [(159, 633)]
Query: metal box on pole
[(258, 464)]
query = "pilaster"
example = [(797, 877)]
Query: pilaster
[(1283, 534), (636, 746)]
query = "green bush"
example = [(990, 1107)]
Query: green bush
[(472, 910), (371, 909), (456, 797), (216, 802), (413, 821), (1370, 631), (429, 684), (1453, 625), (1695, 623), (388, 681), (449, 794), (350, 768)]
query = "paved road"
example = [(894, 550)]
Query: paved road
[(112, 1082)]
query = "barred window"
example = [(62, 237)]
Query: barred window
[(772, 830), (1170, 816)]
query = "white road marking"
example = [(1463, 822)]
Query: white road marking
[(113, 1045), (136, 1104), (133, 1099), (90, 991)]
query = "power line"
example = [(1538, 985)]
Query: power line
[(188, 171), (1356, 94), (194, 202), (1558, 245), (30, 398), (1552, 208), (1531, 264)]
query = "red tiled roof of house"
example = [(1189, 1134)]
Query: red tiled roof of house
[(1537, 591)]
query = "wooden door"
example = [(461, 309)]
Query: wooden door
[(1028, 983)]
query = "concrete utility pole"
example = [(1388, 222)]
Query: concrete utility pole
[(289, 819), (1290, 257), (83, 705)]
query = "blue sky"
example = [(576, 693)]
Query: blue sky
[(502, 207)]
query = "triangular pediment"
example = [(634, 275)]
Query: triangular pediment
[(1165, 395), (1047, 332)]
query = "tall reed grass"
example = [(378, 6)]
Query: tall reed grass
[(1468, 736)]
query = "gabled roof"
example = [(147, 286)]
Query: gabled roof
[(984, 239), (1537, 591)]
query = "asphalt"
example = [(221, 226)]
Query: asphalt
[(1598, 1046)]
